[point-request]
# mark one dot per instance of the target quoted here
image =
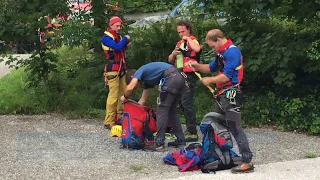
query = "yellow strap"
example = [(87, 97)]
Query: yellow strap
[(239, 67), (210, 88), (109, 34)]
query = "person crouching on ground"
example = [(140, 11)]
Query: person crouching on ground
[(171, 85)]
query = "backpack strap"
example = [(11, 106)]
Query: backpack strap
[(214, 149), (145, 127)]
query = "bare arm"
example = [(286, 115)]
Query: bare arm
[(130, 87), (172, 57), (144, 96), (204, 68), (221, 78), (194, 46)]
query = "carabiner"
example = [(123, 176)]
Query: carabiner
[(162, 81)]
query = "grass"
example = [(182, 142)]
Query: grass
[(312, 155), (137, 167), (15, 97)]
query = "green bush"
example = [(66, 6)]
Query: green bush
[(78, 83), (16, 98), (284, 113)]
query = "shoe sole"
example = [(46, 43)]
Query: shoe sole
[(242, 172), (153, 151), (177, 146), (191, 140)]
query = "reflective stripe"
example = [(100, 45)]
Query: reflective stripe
[(239, 67)]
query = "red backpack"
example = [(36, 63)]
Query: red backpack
[(138, 125)]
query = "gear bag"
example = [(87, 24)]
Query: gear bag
[(138, 125)]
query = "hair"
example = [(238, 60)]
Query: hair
[(214, 34), (186, 24), (129, 75)]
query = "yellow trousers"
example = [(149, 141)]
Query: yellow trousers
[(117, 87)]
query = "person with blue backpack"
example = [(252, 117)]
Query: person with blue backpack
[(171, 86), (229, 64)]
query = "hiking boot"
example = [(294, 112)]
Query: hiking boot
[(177, 144), (118, 121), (154, 148), (108, 126), (243, 168), (190, 137), (169, 130)]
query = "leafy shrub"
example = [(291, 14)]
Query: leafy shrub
[(16, 97), (285, 113)]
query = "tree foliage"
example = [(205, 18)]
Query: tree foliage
[(278, 38)]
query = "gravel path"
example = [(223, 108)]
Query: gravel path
[(53, 147)]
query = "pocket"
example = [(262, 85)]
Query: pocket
[(239, 99), (110, 77), (163, 96), (225, 102)]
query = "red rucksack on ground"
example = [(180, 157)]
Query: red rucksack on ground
[(138, 125)]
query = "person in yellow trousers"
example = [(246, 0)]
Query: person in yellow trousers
[(114, 47)]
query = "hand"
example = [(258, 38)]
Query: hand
[(185, 38), (191, 64), (176, 52), (141, 102), (206, 81), (123, 99), (129, 44), (128, 37)]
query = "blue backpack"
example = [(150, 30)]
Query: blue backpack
[(217, 153)]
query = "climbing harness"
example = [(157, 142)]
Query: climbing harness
[(231, 94), (185, 80)]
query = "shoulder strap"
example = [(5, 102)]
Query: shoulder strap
[(240, 66), (179, 43), (214, 149), (109, 34)]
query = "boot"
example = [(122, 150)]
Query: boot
[(243, 168), (153, 147), (177, 144), (190, 137)]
